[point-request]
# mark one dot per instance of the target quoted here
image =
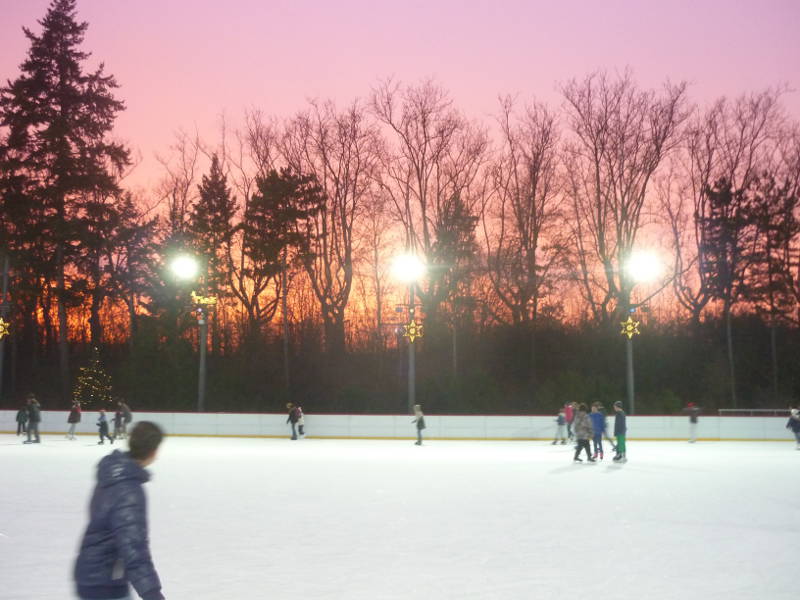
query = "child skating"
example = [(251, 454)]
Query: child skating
[(102, 424), (598, 429), (620, 430), (582, 428), (561, 428)]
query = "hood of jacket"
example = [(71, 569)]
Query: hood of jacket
[(117, 467)]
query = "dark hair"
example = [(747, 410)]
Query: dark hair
[(31, 396), (144, 439), (582, 407)]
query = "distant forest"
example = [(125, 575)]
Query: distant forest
[(527, 223)]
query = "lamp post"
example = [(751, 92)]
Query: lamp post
[(186, 268), (408, 268), (641, 267)]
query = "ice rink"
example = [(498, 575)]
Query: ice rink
[(274, 519)]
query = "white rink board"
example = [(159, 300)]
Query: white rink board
[(462, 520), (438, 426)]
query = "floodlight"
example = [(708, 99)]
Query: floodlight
[(644, 267), (184, 266), (408, 268)]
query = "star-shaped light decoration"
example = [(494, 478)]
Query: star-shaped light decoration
[(413, 331), (204, 301), (4, 328), (630, 327)]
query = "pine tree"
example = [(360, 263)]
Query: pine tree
[(210, 223), (93, 387), (57, 118)]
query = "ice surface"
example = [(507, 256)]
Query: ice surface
[(274, 519)]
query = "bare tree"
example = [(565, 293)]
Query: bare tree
[(732, 141), (619, 135), (340, 149), (431, 175), (522, 221)]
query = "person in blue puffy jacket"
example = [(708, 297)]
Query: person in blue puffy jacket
[(598, 429), (115, 550)]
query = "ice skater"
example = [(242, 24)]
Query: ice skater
[(419, 419), (115, 551), (73, 419), (102, 424), (693, 411), (569, 414), (294, 416), (301, 422), (598, 429), (127, 417), (22, 419), (794, 424), (620, 431), (561, 428), (118, 420), (582, 427), (34, 418)]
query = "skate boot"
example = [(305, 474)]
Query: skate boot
[(563, 442), (601, 456), (617, 458), (592, 459), (554, 443), (594, 456), (577, 460)]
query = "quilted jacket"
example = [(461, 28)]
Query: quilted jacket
[(115, 549)]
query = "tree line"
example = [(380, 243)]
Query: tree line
[(525, 222)]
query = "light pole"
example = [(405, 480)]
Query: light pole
[(408, 268), (186, 268), (641, 267)]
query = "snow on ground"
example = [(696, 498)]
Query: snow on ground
[(350, 519)]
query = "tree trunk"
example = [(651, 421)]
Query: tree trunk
[(95, 326), (63, 342), (132, 319), (773, 335), (285, 324), (731, 363)]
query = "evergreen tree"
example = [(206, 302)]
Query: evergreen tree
[(93, 387), (210, 224), (58, 117)]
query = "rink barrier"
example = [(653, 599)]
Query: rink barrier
[(399, 427)]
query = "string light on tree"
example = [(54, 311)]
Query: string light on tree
[(93, 387), (5, 328)]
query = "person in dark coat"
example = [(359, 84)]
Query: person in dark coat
[(22, 419), (693, 411), (293, 418), (102, 425), (127, 417), (419, 419), (73, 419), (794, 424), (34, 418), (582, 428), (620, 431), (118, 420), (115, 550)]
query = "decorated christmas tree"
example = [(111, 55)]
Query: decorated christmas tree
[(93, 388)]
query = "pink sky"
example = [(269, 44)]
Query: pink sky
[(183, 62)]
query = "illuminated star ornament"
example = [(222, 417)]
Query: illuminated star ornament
[(4, 329), (630, 328), (413, 331)]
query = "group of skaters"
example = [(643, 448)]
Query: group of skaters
[(29, 417), (576, 423)]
